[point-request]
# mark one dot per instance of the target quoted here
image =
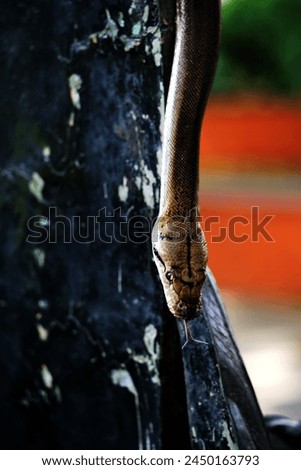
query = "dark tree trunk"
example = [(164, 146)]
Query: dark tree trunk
[(90, 356)]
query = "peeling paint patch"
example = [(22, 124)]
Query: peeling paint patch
[(146, 183), (122, 378), (136, 28), (151, 359), (226, 434), (75, 83), (42, 332), (132, 8), (145, 14), (105, 190), (149, 338), (121, 19), (161, 108), (36, 186), (129, 42), (46, 376), (71, 120), (46, 152), (142, 26), (111, 27), (147, 188), (43, 221), (110, 30), (156, 48), (39, 256), (123, 190)]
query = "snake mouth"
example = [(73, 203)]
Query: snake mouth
[(186, 311)]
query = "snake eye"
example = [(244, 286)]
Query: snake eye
[(169, 276)]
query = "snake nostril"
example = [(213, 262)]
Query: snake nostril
[(182, 307)]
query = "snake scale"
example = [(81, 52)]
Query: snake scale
[(179, 245)]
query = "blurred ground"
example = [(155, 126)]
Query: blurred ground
[(269, 338)]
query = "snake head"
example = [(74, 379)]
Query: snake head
[(180, 254)]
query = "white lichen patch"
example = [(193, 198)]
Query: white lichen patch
[(111, 27), (36, 186), (149, 338), (227, 436), (120, 19), (123, 190), (39, 256), (71, 120), (46, 376), (43, 221), (156, 48), (46, 152), (129, 42), (75, 83), (150, 359), (136, 28), (122, 378), (146, 182), (42, 332), (105, 190), (132, 7), (145, 14), (94, 38), (149, 182), (161, 108), (110, 30)]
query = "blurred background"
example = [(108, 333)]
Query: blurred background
[(251, 157)]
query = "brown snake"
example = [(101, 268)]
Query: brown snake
[(179, 245)]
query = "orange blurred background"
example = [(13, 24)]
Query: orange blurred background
[(251, 157)]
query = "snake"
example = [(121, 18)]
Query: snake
[(178, 242)]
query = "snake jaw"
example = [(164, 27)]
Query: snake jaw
[(182, 269), (188, 311), (187, 304), (183, 302)]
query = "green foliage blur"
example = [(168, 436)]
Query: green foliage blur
[(261, 47)]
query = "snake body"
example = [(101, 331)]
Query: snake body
[(179, 245)]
